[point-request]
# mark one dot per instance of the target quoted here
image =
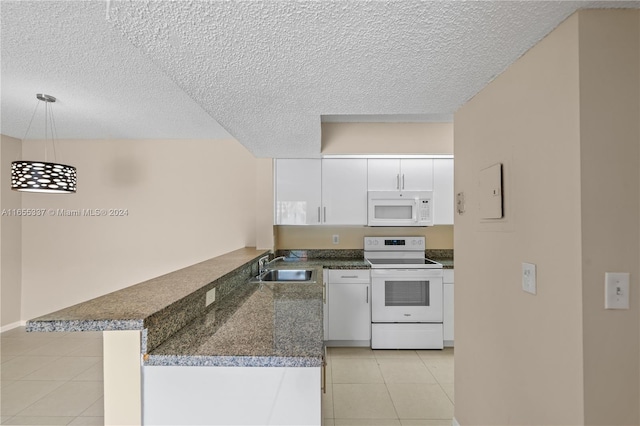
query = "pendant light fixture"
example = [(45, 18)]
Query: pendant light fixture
[(43, 176)]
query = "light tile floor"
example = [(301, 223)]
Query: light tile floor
[(56, 379), (51, 378), (388, 387)]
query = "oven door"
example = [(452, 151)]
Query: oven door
[(406, 295)]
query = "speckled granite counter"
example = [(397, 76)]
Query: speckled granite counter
[(268, 325), (273, 325), (354, 258), (446, 263), (161, 305)]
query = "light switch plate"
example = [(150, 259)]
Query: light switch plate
[(529, 278), (616, 290)]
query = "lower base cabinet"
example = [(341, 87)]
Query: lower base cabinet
[(348, 307), (191, 395)]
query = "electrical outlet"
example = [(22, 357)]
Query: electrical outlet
[(336, 239), (211, 297), (529, 277), (616, 290)]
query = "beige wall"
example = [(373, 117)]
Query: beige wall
[(352, 237), (187, 201), (609, 161), (565, 128), (387, 138), (10, 237)]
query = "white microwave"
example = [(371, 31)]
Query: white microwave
[(395, 208)]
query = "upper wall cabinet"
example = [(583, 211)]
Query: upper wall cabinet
[(443, 205), (400, 174), (344, 191), (333, 191), (298, 192), (321, 192)]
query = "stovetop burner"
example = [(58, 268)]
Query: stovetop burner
[(397, 252)]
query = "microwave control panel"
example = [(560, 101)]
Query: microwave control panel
[(424, 210)]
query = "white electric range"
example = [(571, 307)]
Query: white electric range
[(406, 294)]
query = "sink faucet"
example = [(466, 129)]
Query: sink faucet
[(264, 261)]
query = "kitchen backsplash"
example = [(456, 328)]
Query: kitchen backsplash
[(288, 237)]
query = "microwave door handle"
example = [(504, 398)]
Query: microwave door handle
[(415, 210)]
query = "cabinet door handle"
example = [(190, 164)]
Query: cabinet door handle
[(398, 181), (318, 214), (348, 276), (403, 181), (325, 214), (367, 295), (324, 293)]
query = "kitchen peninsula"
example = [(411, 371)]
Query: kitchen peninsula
[(266, 339)]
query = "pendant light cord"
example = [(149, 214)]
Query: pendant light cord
[(28, 128), (49, 124), (31, 121), (54, 135)]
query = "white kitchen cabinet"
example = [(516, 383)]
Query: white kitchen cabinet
[(298, 192), (344, 192), (321, 192), (348, 307), (393, 174), (443, 204), (448, 307)]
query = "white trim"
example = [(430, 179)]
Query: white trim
[(454, 422), (12, 326)]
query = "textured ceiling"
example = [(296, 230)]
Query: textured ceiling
[(266, 71), (106, 87)]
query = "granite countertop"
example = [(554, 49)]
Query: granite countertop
[(148, 303), (273, 324), (353, 258), (268, 325), (249, 324), (446, 263)]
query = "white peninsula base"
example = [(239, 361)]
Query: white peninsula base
[(192, 395)]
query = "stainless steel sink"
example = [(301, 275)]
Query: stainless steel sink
[(287, 275)]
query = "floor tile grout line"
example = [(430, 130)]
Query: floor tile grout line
[(49, 393), (89, 406), (392, 403), (43, 396)]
